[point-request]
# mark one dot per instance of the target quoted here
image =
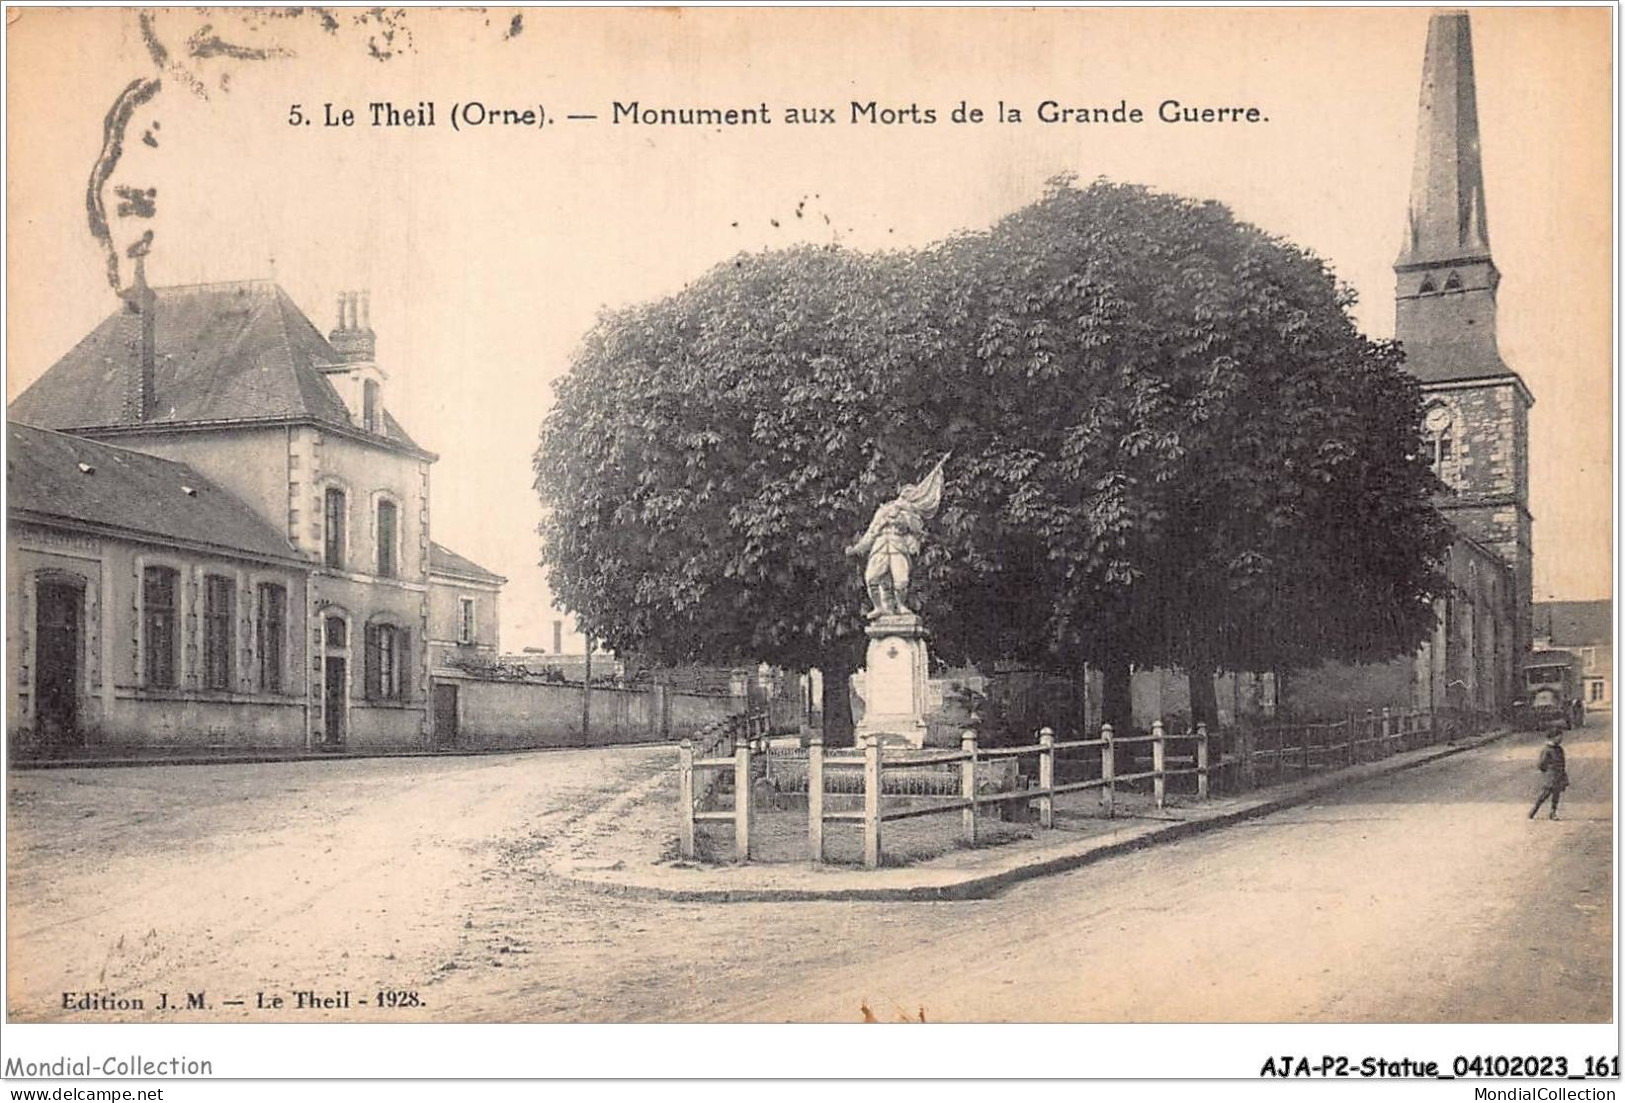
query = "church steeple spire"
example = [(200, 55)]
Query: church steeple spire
[(1446, 220), (1445, 281)]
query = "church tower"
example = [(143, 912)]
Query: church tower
[(1476, 409)]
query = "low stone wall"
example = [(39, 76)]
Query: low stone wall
[(495, 714)]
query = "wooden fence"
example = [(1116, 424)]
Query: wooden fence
[(738, 749), (726, 745), (1284, 752), (751, 756)]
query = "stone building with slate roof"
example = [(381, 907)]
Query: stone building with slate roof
[(148, 605), (234, 386), (1585, 628), (464, 632)]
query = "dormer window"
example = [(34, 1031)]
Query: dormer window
[(372, 413)]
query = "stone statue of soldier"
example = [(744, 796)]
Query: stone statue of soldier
[(892, 540)]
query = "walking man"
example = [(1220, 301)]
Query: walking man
[(1554, 766)]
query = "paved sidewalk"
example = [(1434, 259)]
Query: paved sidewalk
[(961, 874)]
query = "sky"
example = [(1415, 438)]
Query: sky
[(489, 251)]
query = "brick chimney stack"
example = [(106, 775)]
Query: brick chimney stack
[(352, 338), (140, 382)]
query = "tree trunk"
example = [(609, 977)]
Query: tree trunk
[(837, 706), (1204, 700), (1117, 697), (1117, 709)]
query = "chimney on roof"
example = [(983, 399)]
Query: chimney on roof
[(352, 338), (140, 381)]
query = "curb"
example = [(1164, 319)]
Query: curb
[(250, 757), (992, 884)]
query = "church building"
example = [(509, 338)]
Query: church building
[(1475, 420)]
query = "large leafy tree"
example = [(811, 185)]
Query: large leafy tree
[(1186, 454), (1170, 444), (709, 455)]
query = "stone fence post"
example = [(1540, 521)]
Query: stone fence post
[(1108, 772), (1159, 782), (685, 798), (815, 796), (1046, 777), (967, 784), (871, 801), (742, 800), (1201, 761)]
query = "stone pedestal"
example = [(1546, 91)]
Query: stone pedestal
[(895, 677)]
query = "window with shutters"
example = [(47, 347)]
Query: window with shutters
[(465, 629), (386, 538), (334, 517), (270, 630), (218, 593), (388, 663), (159, 586)]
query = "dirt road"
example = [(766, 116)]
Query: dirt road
[(1426, 896)]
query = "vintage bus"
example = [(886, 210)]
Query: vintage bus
[(1551, 689)]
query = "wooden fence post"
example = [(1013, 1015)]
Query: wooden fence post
[(815, 796), (742, 800), (1387, 732), (871, 801), (967, 785), (1046, 777), (1246, 737), (1108, 772), (685, 798), (1159, 783), (1201, 761)]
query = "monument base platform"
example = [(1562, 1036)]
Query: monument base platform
[(897, 669)]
